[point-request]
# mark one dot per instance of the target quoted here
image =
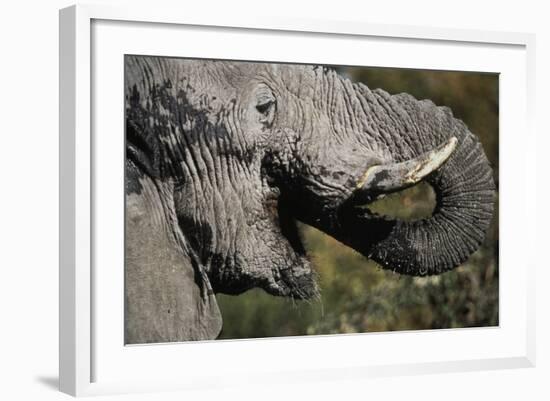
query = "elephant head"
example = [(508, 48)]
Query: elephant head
[(224, 157)]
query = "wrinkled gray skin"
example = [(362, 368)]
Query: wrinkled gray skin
[(224, 157)]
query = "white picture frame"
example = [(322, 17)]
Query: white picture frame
[(90, 35)]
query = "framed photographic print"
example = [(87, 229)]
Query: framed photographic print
[(317, 200)]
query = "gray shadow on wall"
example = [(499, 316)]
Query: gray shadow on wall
[(52, 382)]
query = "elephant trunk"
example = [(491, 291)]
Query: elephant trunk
[(463, 185)]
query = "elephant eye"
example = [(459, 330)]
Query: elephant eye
[(265, 106)]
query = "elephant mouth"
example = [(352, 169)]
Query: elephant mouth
[(298, 282), (298, 279), (352, 218), (289, 227)]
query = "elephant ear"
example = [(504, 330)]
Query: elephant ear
[(166, 298)]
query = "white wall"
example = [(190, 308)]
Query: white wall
[(28, 198)]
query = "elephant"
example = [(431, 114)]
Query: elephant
[(223, 158)]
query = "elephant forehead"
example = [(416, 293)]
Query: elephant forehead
[(293, 78)]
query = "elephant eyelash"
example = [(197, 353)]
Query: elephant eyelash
[(263, 108)]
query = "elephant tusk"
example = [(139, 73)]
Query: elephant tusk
[(395, 177)]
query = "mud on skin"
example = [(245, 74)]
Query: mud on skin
[(224, 157)]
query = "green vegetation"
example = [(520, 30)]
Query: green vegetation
[(356, 294)]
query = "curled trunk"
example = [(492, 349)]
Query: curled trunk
[(463, 185)]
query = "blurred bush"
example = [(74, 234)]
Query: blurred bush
[(356, 294)]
